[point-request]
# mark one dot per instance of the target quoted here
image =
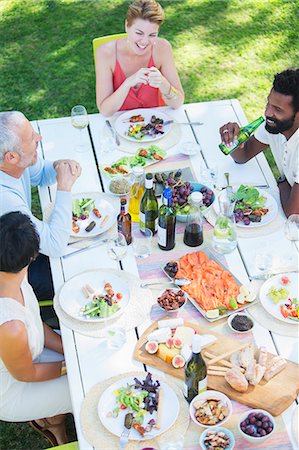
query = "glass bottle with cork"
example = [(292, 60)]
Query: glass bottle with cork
[(136, 192), (243, 136), (166, 222), (124, 224), (148, 216), (195, 376), (193, 235)]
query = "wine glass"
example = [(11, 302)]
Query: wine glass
[(117, 247), (264, 263), (291, 227), (79, 120), (107, 139)]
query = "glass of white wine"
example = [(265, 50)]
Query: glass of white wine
[(117, 247), (79, 120)]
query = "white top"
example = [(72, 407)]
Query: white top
[(29, 314), (285, 152)]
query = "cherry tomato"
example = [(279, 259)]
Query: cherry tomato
[(122, 406), (294, 313), (284, 311), (119, 296)]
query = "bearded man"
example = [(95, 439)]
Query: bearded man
[(281, 132)]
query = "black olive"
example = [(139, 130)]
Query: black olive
[(90, 226), (129, 420)]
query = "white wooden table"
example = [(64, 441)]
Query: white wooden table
[(88, 360)]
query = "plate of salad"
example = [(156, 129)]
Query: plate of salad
[(279, 297), (144, 125), (94, 296), (149, 406), (254, 207), (144, 156), (91, 215)]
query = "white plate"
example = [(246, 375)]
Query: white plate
[(105, 208), (271, 204), (72, 299), (108, 402), (269, 305), (122, 124)]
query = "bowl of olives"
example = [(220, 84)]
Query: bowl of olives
[(256, 426)]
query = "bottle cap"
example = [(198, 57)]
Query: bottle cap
[(196, 343), (123, 201), (138, 170), (167, 193), (196, 197), (149, 176)]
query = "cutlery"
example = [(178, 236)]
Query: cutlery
[(168, 122), (113, 132), (124, 438), (228, 187), (263, 276), (93, 243), (177, 281)]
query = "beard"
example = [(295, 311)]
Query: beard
[(279, 125)]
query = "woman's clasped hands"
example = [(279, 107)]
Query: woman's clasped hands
[(148, 75)]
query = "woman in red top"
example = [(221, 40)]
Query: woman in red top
[(138, 71)]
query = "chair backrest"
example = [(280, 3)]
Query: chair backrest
[(69, 446), (101, 40)]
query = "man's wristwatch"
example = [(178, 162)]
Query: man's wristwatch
[(281, 179)]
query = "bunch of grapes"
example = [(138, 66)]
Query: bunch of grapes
[(207, 196), (180, 191)]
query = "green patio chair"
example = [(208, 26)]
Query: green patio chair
[(101, 40), (69, 446)]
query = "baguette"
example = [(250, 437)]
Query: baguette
[(254, 373), (275, 366), (224, 362), (217, 373), (236, 380), (263, 357)]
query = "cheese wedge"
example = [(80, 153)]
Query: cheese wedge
[(166, 353), (160, 335), (184, 334)]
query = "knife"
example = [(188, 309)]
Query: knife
[(168, 122), (113, 132), (263, 276), (92, 244)]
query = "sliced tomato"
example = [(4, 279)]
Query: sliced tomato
[(284, 311), (119, 296), (294, 313), (122, 406), (285, 280)]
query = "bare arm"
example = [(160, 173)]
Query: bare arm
[(52, 340), (15, 354), (289, 197), (245, 152)]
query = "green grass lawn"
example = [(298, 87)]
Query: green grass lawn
[(223, 49)]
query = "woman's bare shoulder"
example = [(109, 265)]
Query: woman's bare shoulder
[(13, 329), (163, 45)]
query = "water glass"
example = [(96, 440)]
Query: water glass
[(291, 227), (115, 337), (117, 247), (209, 175), (263, 263), (142, 243), (173, 442), (226, 202), (107, 139)]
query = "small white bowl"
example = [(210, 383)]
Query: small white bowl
[(171, 310), (230, 318), (210, 394), (256, 439), (119, 178), (228, 433)]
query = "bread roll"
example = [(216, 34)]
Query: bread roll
[(236, 380), (258, 372), (263, 356), (276, 365)]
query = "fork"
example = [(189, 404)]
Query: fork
[(124, 438)]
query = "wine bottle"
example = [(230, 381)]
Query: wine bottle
[(193, 235), (148, 216), (166, 222), (243, 136), (195, 371), (124, 224)]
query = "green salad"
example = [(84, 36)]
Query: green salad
[(101, 306), (81, 208)]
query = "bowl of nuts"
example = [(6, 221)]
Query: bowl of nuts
[(256, 426), (210, 409), (171, 299), (217, 438)]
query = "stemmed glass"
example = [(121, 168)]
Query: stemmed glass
[(117, 247), (79, 120), (291, 227)]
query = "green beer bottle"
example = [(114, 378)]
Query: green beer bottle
[(243, 136)]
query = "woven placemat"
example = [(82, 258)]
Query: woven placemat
[(100, 438), (250, 232), (136, 312), (166, 142)]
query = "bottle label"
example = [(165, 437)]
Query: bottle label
[(162, 236), (203, 385)]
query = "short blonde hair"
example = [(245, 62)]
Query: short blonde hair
[(147, 10)]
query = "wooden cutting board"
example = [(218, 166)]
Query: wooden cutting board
[(274, 396)]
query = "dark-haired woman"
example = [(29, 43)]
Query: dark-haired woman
[(32, 382)]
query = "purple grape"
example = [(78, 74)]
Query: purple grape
[(259, 416), (269, 430), (252, 420), (243, 424), (265, 419), (246, 221), (181, 202), (258, 423), (191, 188), (250, 430), (187, 184), (83, 217), (263, 432)]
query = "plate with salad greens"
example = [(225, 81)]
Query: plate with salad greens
[(253, 207), (91, 215), (144, 156), (94, 296), (280, 298), (137, 401), (143, 125)]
